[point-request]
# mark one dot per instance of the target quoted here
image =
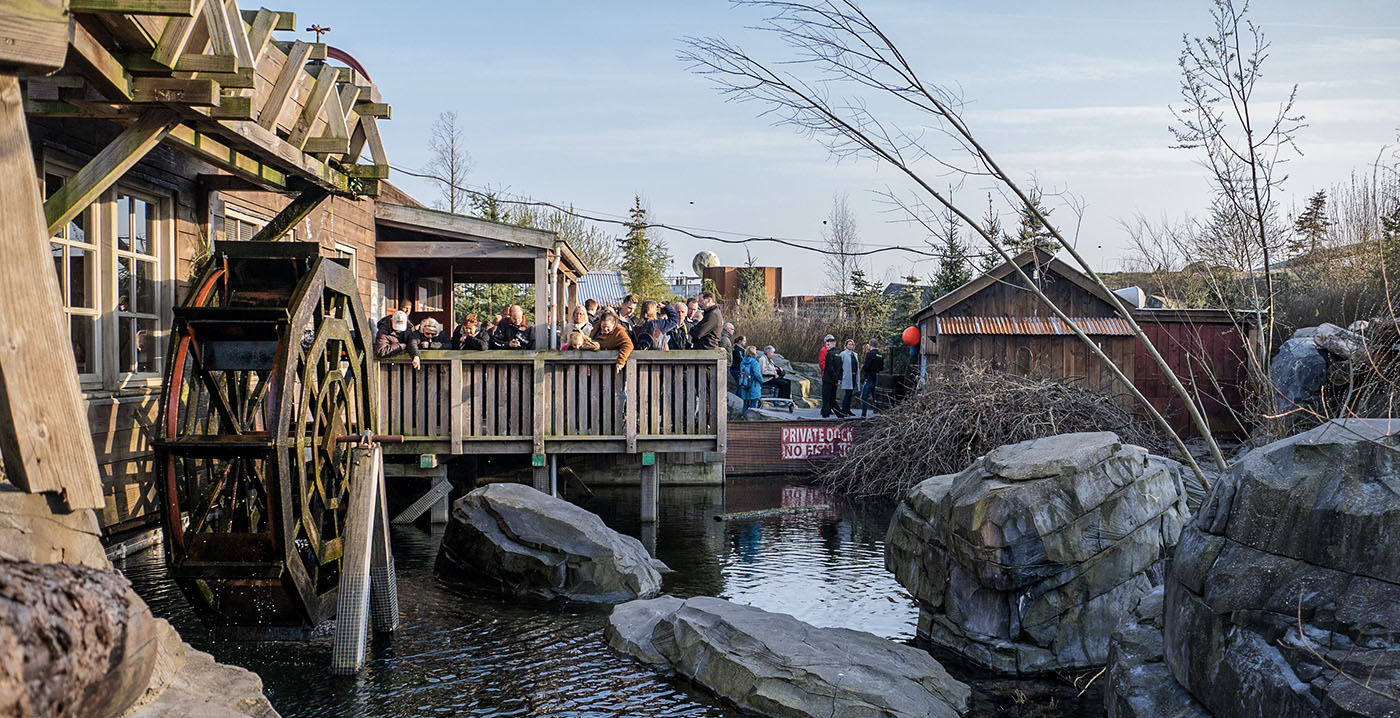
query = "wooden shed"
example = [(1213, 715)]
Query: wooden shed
[(997, 319)]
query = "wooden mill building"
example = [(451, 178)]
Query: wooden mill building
[(995, 318)]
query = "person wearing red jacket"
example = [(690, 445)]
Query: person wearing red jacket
[(828, 342)]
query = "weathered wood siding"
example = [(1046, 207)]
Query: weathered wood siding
[(1210, 359)]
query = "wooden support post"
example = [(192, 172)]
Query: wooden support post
[(106, 168), (383, 582), (456, 415), (651, 486), (540, 474), (294, 212), (353, 599), (539, 405), (629, 395), (44, 435), (721, 405), (542, 323)]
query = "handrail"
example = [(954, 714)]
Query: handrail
[(561, 399)]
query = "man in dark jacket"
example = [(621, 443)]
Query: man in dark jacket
[(831, 378), (393, 335), (705, 333), (736, 357), (869, 368), (512, 333)]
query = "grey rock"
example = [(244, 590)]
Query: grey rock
[(1293, 563), (189, 682), (775, 665), (1026, 561), (512, 539), (1138, 683), (1359, 325), (1341, 342), (1297, 370)]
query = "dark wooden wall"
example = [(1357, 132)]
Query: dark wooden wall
[(1049, 357), (1009, 297), (1210, 359)]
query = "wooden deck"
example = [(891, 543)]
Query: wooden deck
[(554, 402)]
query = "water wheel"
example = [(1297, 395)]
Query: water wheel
[(269, 365)]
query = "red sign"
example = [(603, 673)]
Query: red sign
[(816, 442)]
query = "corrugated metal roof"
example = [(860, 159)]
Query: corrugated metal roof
[(602, 285), (1099, 326)]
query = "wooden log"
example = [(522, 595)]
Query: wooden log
[(43, 429), (74, 641)]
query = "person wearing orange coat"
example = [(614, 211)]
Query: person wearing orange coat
[(610, 334)]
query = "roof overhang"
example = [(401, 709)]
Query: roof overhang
[(1042, 259), (428, 234)]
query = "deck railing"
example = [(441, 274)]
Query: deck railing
[(547, 402)]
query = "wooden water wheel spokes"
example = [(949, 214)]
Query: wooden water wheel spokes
[(269, 365)]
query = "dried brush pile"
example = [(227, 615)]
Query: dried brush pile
[(962, 414)]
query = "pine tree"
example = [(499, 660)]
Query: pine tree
[(991, 224), (753, 298), (1311, 226), (644, 256), (1031, 233), (953, 267)]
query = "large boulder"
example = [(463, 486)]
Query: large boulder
[(775, 665), (1025, 562), (512, 539), (1297, 371), (1138, 683), (1289, 577)]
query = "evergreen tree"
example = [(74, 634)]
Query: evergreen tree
[(1311, 226), (867, 307), (953, 267), (644, 256), (1031, 233), (753, 298), (991, 223)]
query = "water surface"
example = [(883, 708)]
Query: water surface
[(459, 653)]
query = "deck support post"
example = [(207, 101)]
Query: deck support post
[(651, 485), (540, 477)]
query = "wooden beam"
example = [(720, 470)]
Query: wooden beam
[(182, 8), (138, 63), (175, 36), (107, 167), (315, 102), (134, 31), (44, 434), (273, 150), (33, 35), (376, 144), (220, 32), (318, 49), (282, 88), (459, 226), (100, 66), (224, 157), (373, 109), (451, 250), (233, 107), (291, 215), (285, 20), (542, 320), (196, 93), (242, 47), (263, 22)]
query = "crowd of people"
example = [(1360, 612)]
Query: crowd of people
[(695, 323)]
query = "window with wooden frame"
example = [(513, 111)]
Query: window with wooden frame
[(345, 251), (117, 280), (137, 287), (75, 259)]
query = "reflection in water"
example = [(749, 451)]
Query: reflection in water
[(463, 654)]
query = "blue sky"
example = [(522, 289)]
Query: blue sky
[(585, 103)]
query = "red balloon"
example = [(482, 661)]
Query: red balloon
[(911, 336)]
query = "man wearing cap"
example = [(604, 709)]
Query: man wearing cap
[(828, 342), (394, 335), (831, 378)]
